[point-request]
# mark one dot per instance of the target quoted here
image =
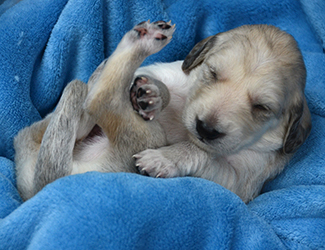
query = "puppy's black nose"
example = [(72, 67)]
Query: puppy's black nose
[(207, 132)]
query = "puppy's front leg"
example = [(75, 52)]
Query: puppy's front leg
[(180, 159)]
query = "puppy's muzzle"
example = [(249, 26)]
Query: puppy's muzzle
[(207, 132)]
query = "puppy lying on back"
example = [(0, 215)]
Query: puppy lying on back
[(233, 112)]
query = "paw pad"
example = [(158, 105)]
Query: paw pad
[(159, 31), (145, 98)]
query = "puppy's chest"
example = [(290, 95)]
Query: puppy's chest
[(248, 160), (171, 122), (171, 118)]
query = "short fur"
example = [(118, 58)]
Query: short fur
[(236, 113)]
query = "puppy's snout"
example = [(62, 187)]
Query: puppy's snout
[(207, 132)]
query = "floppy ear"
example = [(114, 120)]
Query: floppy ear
[(298, 128), (197, 54)]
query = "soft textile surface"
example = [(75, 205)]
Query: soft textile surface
[(47, 43)]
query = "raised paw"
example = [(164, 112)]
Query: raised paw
[(152, 36), (148, 97), (160, 30), (152, 162)]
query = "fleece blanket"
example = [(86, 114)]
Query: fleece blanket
[(45, 44)]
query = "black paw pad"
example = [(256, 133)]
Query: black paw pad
[(161, 37), (163, 25), (141, 92), (143, 105)]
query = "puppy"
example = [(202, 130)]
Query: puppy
[(233, 112)]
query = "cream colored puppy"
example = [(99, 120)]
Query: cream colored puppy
[(245, 112), (234, 113)]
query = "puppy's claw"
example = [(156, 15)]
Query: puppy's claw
[(144, 79), (158, 175)]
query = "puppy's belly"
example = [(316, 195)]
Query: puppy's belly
[(90, 155), (96, 153)]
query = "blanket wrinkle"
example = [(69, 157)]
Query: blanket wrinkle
[(45, 44), (315, 15)]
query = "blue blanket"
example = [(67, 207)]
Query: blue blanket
[(45, 44)]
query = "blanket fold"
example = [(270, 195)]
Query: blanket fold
[(45, 44)]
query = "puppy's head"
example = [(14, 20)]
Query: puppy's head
[(247, 92)]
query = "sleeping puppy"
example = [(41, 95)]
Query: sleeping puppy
[(233, 112)]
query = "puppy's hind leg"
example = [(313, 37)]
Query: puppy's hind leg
[(55, 157), (27, 144)]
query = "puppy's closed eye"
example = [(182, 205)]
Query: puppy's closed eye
[(261, 107), (213, 73), (210, 74), (261, 112)]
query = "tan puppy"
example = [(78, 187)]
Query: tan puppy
[(235, 116)]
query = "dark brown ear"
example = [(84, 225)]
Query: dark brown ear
[(197, 54), (298, 128)]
